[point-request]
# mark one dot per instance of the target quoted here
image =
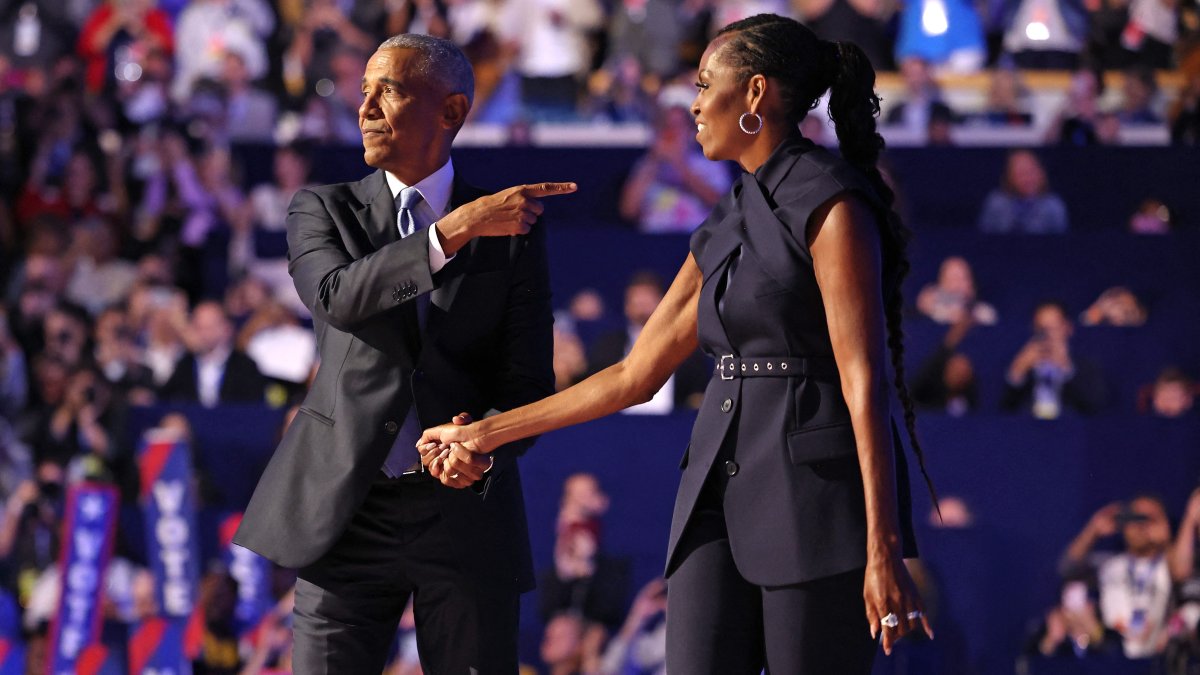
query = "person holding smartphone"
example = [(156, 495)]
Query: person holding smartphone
[(1045, 377)]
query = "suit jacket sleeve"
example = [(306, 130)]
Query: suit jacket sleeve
[(338, 289)]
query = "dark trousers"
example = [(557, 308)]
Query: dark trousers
[(719, 623), (349, 602)]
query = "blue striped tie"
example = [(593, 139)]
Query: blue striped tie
[(407, 202)]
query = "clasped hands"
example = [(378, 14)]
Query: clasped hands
[(453, 454)]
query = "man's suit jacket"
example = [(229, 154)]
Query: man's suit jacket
[(241, 383), (486, 345)]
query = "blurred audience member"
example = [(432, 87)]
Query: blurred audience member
[(66, 329), (1151, 32), (159, 315), (553, 54), (640, 647), (1046, 34), (1116, 306), (99, 278), (332, 115), (685, 388), (118, 36), (922, 97), (118, 358), (1184, 113), (584, 580), (944, 33), (673, 187), (14, 381), (1171, 395), (30, 529), (1007, 100), (1075, 123), (1045, 378), (1023, 203), (1135, 585), (1138, 93), (866, 23), (269, 200), (569, 645), (1151, 217), (208, 30), (953, 298), (213, 372), (648, 31), (319, 29), (570, 357), (1073, 629), (249, 111), (283, 350), (952, 513), (945, 381)]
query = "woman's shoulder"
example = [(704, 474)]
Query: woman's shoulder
[(818, 176)]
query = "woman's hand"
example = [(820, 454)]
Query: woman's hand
[(454, 453), (889, 591)]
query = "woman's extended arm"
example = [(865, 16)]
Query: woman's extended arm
[(668, 338), (847, 260)]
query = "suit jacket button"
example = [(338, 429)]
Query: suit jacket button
[(731, 468), (391, 427), (727, 405)]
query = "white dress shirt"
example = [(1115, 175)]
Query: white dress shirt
[(435, 191)]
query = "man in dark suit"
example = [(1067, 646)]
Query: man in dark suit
[(425, 304), (213, 372)]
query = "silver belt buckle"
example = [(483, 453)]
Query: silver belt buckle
[(723, 368)]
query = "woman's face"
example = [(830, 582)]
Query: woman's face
[(720, 101)]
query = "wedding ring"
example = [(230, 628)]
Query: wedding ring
[(453, 476), (915, 615), (890, 621)]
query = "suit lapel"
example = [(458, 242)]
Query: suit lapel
[(377, 212)]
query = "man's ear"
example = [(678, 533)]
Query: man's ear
[(454, 111)]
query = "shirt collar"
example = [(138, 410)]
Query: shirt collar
[(435, 188)]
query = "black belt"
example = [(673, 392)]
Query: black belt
[(730, 366)]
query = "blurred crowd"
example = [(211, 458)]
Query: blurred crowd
[(139, 268)]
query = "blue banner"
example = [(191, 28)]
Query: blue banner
[(169, 508), (87, 541), (157, 648), (12, 657), (252, 573)]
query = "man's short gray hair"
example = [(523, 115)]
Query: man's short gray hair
[(441, 61)]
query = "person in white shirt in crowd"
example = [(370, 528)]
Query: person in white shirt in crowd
[(209, 29), (554, 52), (1135, 584)]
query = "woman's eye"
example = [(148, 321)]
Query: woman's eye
[(701, 85)]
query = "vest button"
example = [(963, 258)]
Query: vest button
[(727, 405), (731, 468), (391, 427)]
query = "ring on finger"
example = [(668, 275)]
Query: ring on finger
[(890, 620), (453, 476), (915, 614)]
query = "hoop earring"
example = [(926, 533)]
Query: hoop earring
[(742, 123)]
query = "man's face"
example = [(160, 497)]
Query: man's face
[(403, 116), (1151, 533), (210, 329), (1050, 322)]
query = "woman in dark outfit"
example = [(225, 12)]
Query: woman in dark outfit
[(793, 514)]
